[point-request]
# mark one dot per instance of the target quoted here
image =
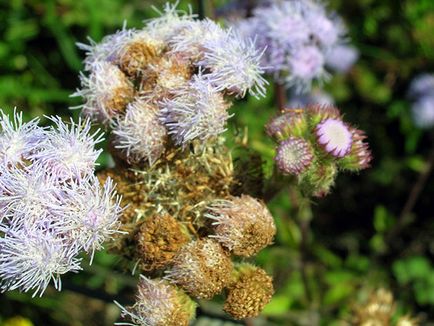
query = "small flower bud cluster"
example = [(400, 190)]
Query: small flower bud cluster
[(314, 143), (52, 207), (166, 81), (299, 37), (422, 95)]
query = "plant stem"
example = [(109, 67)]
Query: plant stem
[(280, 96)]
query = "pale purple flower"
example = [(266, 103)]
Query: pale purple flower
[(422, 85), (334, 136), (197, 111), (70, 150), (235, 65), (423, 111), (140, 135), (307, 64), (342, 57), (31, 258), (89, 213), (18, 140), (294, 155), (316, 96)]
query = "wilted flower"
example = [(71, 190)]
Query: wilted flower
[(159, 303), (249, 294), (106, 92), (202, 268), (334, 136), (69, 151), (293, 156), (140, 136), (243, 225), (197, 110)]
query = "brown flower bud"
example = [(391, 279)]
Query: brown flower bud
[(250, 293), (243, 225), (202, 268), (159, 238)]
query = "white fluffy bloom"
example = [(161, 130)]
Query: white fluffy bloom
[(70, 150), (197, 111), (30, 259), (89, 213), (18, 139), (235, 65), (106, 92), (170, 22), (140, 135)]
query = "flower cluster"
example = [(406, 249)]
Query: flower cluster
[(52, 206), (300, 37), (422, 94), (314, 143), (166, 83)]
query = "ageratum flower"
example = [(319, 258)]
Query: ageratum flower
[(18, 140), (234, 65), (294, 155), (69, 151), (140, 135), (106, 92), (88, 213), (197, 111), (422, 85), (423, 111), (341, 58), (31, 258)]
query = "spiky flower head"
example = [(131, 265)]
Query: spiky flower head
[(158, 303), (139, 135), (202, 268), (159, 238), (31, 258), (243, 225), (106, 92), (235, 65), (288, 122), (360, 155), (89, 213), (18, 140), (69, 151), (293, 155), (334, 136), (378, 310), (408, 320), (197, 111), (249, 294)]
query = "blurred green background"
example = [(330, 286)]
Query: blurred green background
[(360, 238)]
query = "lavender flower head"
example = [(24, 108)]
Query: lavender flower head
[(51, 205), (18, 139), (140, 135), (423, 112), (293, 156), (334, 136), (341, 58), (297, 36), (422, 85), (196, 111)]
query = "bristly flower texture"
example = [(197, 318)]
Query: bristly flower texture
[(51, 205), (298, 35), (180, 66)]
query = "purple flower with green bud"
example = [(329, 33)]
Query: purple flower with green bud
[(334, 136), (294, 155)]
